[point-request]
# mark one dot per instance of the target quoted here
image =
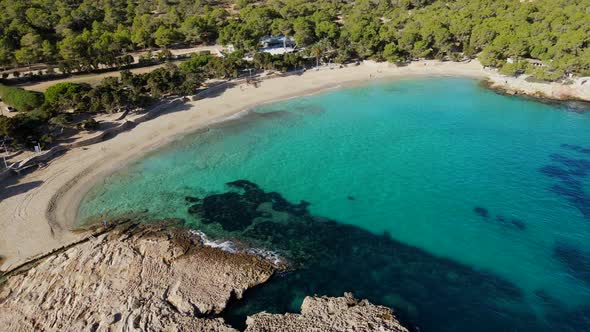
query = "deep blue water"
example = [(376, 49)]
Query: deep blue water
[(462, 209)]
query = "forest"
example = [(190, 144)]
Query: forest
[(86, 35), (81, 35)]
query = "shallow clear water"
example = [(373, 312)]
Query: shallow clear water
[(484, 201)]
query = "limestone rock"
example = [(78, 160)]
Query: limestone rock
[(155, 278), (143, 278), (329, 314)]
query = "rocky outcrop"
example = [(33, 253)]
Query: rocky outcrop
[(329, 314), (159, 278), (133, 278), (578, 90)]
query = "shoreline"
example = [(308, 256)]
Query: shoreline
[(577, 91), (165, 277), (43, 205)]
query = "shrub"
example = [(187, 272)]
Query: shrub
[(196, 63), (545, 74), (24, 129), (66, 91), (22, 100)]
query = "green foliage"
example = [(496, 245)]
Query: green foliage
[(304, 31), (283, 62), (6, 126), (109, 96), (25, 129), (239, 36), (228, 67), (164, 80), (201, 29), (61, 121), (95, 33), (30, 51), (21, 99), (392, 53), (545, 73), (165, 37), (514, 69), (66, 95), (196, 63)]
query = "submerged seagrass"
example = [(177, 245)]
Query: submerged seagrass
[(463, 209)]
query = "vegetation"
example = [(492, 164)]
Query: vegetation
[(20, 99), (80, 35), (26, 128), (286, 62), (87, 34), (66, 95), (111, 95)]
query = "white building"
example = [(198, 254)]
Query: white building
[(277, 41), (277, 45)]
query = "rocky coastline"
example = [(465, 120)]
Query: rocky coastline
[(159, 277), (329, 314), (577, 90)]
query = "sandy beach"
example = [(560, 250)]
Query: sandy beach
[(38, 210)]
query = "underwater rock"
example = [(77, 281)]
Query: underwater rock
[(231, 210), (480, 211), (501, 220), (577, 261), (191, 199), (330, 258), (576, 148), (244, 184), (545, 297), (570, 172), (513, 222), (236, 211), (518, 223)]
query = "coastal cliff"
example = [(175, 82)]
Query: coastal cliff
[(158, 278)]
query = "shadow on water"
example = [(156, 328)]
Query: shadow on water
[(571, 172), (508, 222), (576, 260), (330, 258)]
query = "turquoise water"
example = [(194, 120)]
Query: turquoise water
[(465, 209)]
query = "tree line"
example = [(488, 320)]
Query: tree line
[(44, 116), (86, 34)]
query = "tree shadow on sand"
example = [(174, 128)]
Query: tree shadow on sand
[(9, 187)]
